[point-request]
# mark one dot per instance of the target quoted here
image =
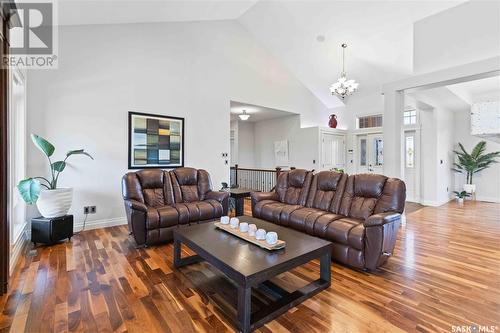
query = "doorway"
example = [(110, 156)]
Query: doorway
[(333, 151), (370, 148)]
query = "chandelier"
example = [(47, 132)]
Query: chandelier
[(343, 87), (244, 115)]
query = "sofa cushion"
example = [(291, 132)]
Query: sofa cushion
[(293, 186), (361, 195), (303, 219), (198, 211), (185, 184), (362, 207), (278, 212), (257, 209), (321, 225), (326, 191), (168, 215), (161, 217), (347, 231)]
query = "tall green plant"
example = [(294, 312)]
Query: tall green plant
[(29, 188), (474, 162)]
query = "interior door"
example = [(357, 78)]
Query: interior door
[(410, 175), (332, 151), (370, 153)]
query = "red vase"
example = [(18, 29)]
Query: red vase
[(333, 121)]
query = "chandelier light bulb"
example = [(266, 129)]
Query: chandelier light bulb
[(244, 115), (343, 87)]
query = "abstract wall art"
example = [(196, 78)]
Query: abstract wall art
[(155, 141)]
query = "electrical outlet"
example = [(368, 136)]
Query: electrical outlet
[(93, 209), (86, 210)]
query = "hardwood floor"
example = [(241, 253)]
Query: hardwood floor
[(445, 272)]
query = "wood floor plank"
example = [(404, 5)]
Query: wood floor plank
[(445, 272)]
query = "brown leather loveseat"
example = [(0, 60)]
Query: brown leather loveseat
[(158, 201), (360, 214)]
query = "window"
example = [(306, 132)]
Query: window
[(410, 117), (17, 152), (370, 121), (362, 151), (378, 149), (410, 152)]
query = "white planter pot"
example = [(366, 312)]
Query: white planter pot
[(460, 201), (55, 203), (470, 188)]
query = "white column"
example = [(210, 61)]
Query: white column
[(393, 108)]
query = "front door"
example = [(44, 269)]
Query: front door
[(370, 150)]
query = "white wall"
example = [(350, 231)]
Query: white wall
[(437, 135), (189, 70), (444, 154), (269, 131), (428, 157), (459, 35), (246, 151), (487, 181)]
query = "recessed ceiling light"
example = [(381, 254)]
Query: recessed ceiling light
[(244, 115)]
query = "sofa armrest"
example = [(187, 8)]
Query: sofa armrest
[(222, 197), (260, 196), (381, 231), (381, 219), (136, 205), (215, 195), (136, 217)]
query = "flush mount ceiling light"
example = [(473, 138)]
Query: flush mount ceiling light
[(244, 115), (343, 87)]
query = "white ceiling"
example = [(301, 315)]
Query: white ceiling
[(460, 96), (478, 90), (79, 12), (379, 35), (256, 112), (441, 97)]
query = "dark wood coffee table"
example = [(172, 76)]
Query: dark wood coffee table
[(250, 266)]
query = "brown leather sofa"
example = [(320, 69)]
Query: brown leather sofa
[(360, 214), (158, 201)]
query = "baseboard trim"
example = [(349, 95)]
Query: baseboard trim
[(18, 247), (97, 224), (487, 199), (434, 203)]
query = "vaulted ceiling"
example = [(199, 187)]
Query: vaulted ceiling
[(304, 35), (80, 12), (379, 35)]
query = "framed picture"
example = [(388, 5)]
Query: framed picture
[(155, 141), (281, 153)]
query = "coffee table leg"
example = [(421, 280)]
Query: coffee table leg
[(177, 253), (244, 308), (325, 272)]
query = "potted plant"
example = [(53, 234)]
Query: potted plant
[(461, 196), (51, 201), (474, 162)]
